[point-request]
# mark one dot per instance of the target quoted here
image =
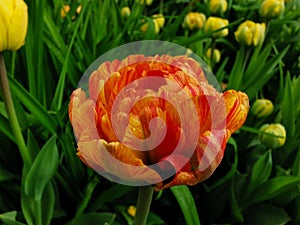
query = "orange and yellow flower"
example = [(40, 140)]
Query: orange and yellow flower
[(115, 121)]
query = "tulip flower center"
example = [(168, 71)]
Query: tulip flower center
[(147, 122)]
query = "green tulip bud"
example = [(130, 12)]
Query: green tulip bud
[(275, 135), (262, 108)]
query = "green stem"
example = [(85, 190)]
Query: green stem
[(213, 46), (8, 102), (143, 205)]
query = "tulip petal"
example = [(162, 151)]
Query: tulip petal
[(237, 107), (117, 161), (207, 157), (18, 26), (82, 114)]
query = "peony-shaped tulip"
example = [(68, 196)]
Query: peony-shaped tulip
[(218, 6), (250, 33), (13, 24), (194, 20), (154, 120), (271, 9), (215, 23)]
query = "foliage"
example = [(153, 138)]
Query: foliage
[(253, 185)]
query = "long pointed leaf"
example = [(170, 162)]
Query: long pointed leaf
[(187, 204)]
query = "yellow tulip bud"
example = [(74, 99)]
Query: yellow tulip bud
[(65, 9), (250, 33), (160, 20), (125, 12), (131, 210), (275, 135), (142, 2), (218, 6), (215, 23), (194, 20), (216, 56), (145, 26), (262, 108), (13, 24), (149, 2), (78, 9), (271, 9)]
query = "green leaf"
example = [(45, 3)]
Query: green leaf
[(110, 194), (5, 174), (237, 72), (261, 171), (258, 73), (235, 209), (9, 218), (266, 215), (187, 204), (287, 109), (32, 145), (154, 219), (272, 188), (296, 164), (32, 105), (5, 128), (47, 203), (42, 170), (94, 218)]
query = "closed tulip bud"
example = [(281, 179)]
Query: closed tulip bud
[(218, 6), (262, 108), (160, 20), (142, 2), (78, 9), (215, 23), (145, 27), (13, 24), (65, 9), (216, 55), (271, 9), (194, 20), (125, 12), (275, 135), (149, 2), (131, 210), (250, 33)]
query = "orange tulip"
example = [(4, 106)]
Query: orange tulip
[(154, 120)]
